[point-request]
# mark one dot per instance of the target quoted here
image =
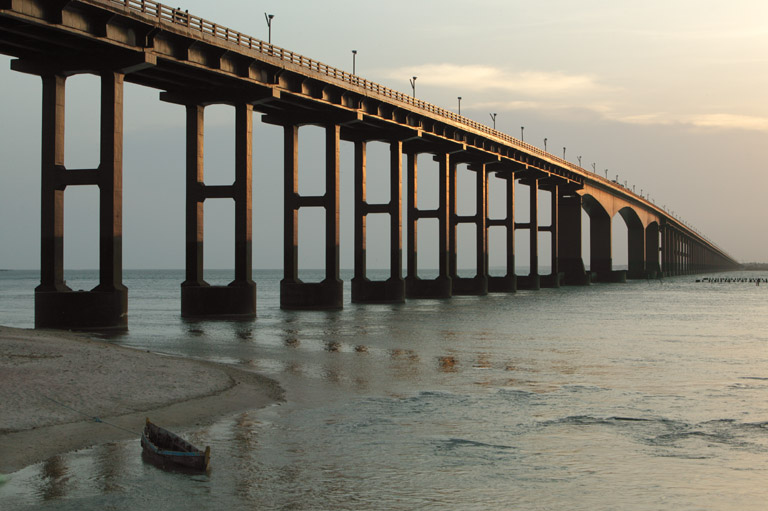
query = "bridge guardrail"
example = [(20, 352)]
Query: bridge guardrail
[(164, 13)]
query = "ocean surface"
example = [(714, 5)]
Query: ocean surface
[(647, 395)]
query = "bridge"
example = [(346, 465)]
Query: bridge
[(196, 63)]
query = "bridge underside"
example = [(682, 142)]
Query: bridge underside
[(55, 40)]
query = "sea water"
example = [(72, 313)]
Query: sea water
[(640, 396)]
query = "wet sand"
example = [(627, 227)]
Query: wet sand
[(53, 384)]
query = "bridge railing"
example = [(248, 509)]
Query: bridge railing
[(166, 14)]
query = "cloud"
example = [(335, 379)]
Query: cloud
[(722, 121), (534, 84)]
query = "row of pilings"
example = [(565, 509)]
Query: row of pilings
[(659, 248)]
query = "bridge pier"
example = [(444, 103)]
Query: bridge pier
[(441, 286), (477, 285), (555, 278), (652, 268), (506, 283), (294, 293), (391, 290), (198, 298), (636, 250), (532, 280), (56, 305), (570, 262)]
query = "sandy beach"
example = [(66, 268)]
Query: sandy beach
[(52, 385)]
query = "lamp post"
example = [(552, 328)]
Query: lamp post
[(354, 55), (579, 157), (413, 85), (545, 144), (459, 105), (522, 133), (493, 118), (269, 18), (563, 152)]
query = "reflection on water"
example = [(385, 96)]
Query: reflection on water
[(539, 400)]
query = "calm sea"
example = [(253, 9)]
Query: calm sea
[(641, 396)]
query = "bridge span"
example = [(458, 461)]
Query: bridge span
[(197, 63)]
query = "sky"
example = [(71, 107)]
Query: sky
[(667, 95)]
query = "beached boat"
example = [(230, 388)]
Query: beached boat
[(165, 447)]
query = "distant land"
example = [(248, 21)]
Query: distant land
[(755, 266)]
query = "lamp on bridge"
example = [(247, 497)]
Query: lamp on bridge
[(522, 133), (545, 144), (413, 85), (579, 157), (354, 54), (493, 118), (563, 152), (459, 105), (269, 18)]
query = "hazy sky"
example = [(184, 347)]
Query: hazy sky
[(669, 95)]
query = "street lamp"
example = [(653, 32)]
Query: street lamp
[(459, 105), (545, 144), (269, 18), (579, 157), (413, 85), (493, 118), (563, 152), (354, 55), (522, 133)]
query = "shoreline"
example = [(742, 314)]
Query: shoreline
[(53, 383)]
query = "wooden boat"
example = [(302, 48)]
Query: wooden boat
[(164, 447)]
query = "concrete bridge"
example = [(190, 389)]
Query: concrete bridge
[(196, 63)]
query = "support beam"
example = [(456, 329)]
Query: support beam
[(532, 280), (477, 285), (506, 283), (555, 277)]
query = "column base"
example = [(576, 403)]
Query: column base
[(531, 282), (82, 310), (297, 295), (505, 284), (553, 280), (617, 276), (441, 287), (577, 278), (470, 286), (238, 299), (381, 291)]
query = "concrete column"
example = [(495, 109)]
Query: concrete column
[(601, 261), (295, 294), (441, 286), (194, 199), (391, 290), (532, 280), (52, 197), (105, 306), (198, 298), (570, 261), (508, 282), (652, 251), (477, 285), (636, 252), (553, 279)]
